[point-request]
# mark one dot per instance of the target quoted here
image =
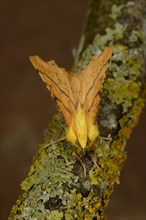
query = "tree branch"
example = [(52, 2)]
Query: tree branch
[(55, 187)]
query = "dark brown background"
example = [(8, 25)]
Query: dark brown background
[(50, 29)]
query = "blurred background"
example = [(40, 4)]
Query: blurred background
[(50, 29)]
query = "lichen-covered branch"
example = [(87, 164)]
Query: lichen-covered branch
[(56, 188)]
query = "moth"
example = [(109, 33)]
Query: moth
[(77, 95)]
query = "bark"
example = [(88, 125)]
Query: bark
[(55, 187)]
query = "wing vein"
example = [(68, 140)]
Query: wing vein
[(93, 101), (56, 99), (94, 82), (59, 88)]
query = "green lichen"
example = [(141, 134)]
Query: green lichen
[(116, 11), (55, 187), (99, 43), (55, 215), (126, 91)]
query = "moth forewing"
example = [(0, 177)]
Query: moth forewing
[(75, 85)]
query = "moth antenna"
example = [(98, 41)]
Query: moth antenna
[(94, 157), (82, 164), (54, 142), (108, 138)]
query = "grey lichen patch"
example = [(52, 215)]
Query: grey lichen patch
[(135, 36), (109, 119), (116, 11)]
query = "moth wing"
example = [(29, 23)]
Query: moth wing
[(57, 82), (75, 85), (92, 77)]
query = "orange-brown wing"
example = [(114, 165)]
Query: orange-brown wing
[(57, 82), (92, 77), (75, 85)]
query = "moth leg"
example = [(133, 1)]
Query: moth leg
[(54, 142), (82, 164), (94, 157), (108, 138)]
